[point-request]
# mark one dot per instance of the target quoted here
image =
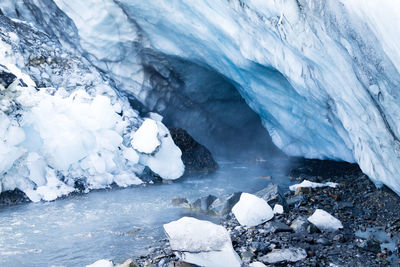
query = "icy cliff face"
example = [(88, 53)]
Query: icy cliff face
[(322, 75)]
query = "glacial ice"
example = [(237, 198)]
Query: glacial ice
[(321, 74), (324, 221), (307, 183), (252, 210), (145, 139), (201, 242)]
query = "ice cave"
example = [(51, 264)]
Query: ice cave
[(211, 133)]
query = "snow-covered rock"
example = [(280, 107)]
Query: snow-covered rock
[(252, 210), (287, 254), (324, 221), (257, 264), (201, 242), (310, 184)]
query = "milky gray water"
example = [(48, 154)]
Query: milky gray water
[(116, 224)]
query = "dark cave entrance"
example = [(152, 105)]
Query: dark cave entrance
[(209, 107)]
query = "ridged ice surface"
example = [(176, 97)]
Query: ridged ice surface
[(322, 74)]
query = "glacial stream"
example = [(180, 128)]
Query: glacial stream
[(117, 224)]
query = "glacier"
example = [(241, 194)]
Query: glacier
[(323, 75)]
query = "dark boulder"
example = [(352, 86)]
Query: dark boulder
[(195, 156), (6, 77), (13, 197), (273, 194), (224, 204), (203, 203)]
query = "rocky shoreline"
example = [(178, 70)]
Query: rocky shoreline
[(370, 218)]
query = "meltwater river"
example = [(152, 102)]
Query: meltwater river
[(116, 224)]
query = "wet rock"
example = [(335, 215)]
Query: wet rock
[(223, 205), (295, 200), (299, 224), (344, 205), (195, 156), (371, 244), (285, 255), (177, 201), (277, 227), (323, 241), (203, 203), (273, 194), (13, 197), (6, 77)]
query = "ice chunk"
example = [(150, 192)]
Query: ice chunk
[(37, 168), (202, 243), (278, 209), (167, 162), (101, 263), (145, 139), (324, 221), (287, 254), (131, 155), (257, 264), (252, 210), (54, 188), (307, 183), (126, 179)]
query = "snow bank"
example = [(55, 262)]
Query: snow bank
[(252, 210), (201, 242)]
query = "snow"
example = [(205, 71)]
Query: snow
[(101, 263), (278, 209), (307, 183), (252, 210), (145, 139), (201, 242), (324, 221), (287, 254)]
